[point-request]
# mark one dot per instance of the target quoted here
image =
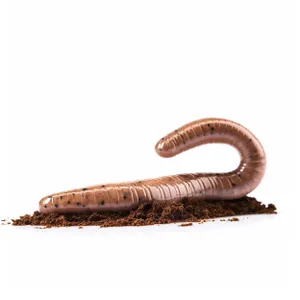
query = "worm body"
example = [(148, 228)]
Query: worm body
[(201, 186)]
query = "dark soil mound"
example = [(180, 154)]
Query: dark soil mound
[(150, 213)]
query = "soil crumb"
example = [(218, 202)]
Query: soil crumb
[(155, 212), (186, 224)]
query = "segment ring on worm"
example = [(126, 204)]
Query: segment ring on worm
[(202, 186)]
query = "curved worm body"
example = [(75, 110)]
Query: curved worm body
[(201, 186)]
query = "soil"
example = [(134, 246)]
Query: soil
[(155, 212), (186, 224)]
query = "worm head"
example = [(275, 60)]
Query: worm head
[(162, 148), (46, 204)]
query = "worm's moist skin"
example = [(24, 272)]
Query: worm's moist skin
[(201, 186)]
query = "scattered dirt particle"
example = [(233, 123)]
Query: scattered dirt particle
[(186, 224), (233, 220), (150, 213), (204, 221)]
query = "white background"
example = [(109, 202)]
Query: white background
[(92, 85)]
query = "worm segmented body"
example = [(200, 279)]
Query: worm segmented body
[(202, 186)]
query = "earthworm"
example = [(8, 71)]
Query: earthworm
[(200, 186)]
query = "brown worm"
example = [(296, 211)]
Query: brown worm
[(201, 186)]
